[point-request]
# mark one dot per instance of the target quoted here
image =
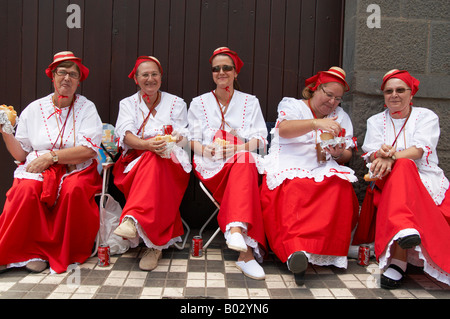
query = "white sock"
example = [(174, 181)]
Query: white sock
[(394, 274)]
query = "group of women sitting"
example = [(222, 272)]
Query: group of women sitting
[(304, 208)]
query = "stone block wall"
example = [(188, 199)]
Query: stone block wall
[(412, 35)]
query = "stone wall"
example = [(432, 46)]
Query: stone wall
[(412, 35)]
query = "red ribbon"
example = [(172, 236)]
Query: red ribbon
[(57, 111), (90, 141), (428, 153), (354, 139)]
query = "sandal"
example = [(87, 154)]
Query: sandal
[(408, 242), (388, 283)]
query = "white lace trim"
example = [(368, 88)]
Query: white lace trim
[(325, 260), (134, 242), (418, 257), (208, 168), (181, 157), (257, 252)]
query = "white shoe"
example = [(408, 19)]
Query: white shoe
[(251, 269), (127, 229), (236, 242)]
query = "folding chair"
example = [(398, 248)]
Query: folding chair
[(106, 162), (206, 191)]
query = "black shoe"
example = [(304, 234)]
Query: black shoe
[(388, 283), (300, 278), (408, 242), (298, 263)]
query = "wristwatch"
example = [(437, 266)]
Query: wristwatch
[(54, 157)]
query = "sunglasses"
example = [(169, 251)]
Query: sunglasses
[(398, 91), (224, 68)]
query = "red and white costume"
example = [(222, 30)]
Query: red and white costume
[(233, 181), (52, 216), (153, 186), (414, 197), (308, 206)]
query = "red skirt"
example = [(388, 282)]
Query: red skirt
[(236, 189), (405, 203), (304, 215), (62, 234), (153, 189)]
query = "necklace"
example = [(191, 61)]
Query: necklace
[(142, 127), (224, 109), (58, 111), (402, 129)]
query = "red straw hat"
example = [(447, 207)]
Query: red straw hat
[(67, 56), (403, 75), (144, 58), (238, 64), (334, 74)]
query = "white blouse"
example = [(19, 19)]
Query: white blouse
[(297, 157), (422, 131), (39, 128), (243, 117), (171, 110)]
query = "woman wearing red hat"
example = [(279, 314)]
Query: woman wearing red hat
[(411, 194), (50, 215), (153, 172), (309, 205), (225, 126)]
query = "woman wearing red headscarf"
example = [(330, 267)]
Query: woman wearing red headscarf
[(411, 193), (152, 173), (225, 126), (309, 205), (50, 215)]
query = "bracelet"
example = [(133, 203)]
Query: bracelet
[(375, 155), (337, 157), (314, 124)]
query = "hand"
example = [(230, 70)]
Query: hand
[(386, 151), (228, 150), (40, 164), (335, 151), (177, 136), (156, 147), (329, 125), (381, 167), (209, 151)]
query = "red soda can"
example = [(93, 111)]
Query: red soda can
[(197, 246), (168, 129), (363, 255), (103, 255)]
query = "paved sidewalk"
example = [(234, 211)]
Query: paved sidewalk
[(213, 276)]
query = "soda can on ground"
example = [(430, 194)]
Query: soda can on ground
[(197, 246), (103, 255), (363, 255)]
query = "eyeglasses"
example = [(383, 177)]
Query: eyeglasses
[(63, 73), (225, 68), (147, 75), (398, 91), (332, 97)]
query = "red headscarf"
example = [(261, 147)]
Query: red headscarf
[(144, 58), (334, 74), (67, 56), (238, 64), (403, 75)]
